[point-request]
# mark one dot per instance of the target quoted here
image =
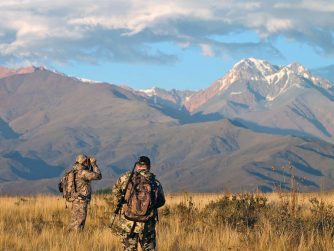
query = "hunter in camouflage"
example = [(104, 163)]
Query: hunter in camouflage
[(86, 170), (131, 232)]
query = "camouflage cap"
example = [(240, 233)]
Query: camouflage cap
[(81, 158)]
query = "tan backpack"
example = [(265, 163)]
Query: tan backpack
[(140, 198), (67, 186)]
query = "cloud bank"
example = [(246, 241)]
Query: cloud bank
[(39, 31)]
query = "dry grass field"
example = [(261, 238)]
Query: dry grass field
[(278, 221)]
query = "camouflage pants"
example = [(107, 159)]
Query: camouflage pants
[(147, 241), (78, 215)]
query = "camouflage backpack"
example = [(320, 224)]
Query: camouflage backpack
[(140, 198), (67, 186)]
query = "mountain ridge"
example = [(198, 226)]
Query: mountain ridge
[(263, 71), (228, 144)]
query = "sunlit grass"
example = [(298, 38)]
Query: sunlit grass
[(186, 223)]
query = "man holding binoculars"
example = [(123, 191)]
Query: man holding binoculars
[(84, 171)]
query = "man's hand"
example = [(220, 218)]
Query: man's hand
[(92, 160)]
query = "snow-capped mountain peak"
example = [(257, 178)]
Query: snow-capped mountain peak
[(255, 66), (298, 69), (304, 73), (258, 82)]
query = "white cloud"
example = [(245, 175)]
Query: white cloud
[(276, 25), (126, 30), (207, 50), (184, 45)]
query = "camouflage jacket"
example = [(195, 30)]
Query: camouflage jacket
[(121, 223), (83, 178)]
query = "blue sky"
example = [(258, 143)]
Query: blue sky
[(169, 44)]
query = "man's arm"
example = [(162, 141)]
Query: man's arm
[(95, 174), (161, 196), (118, 188)]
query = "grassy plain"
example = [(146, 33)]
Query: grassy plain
[(277, 221)]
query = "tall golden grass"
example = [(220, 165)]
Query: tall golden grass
[(186, 223)]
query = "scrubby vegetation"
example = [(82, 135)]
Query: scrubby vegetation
[(278, 221)]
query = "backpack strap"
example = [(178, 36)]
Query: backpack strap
[(156, 214), (132, 229), (154, 190), (75, 180)]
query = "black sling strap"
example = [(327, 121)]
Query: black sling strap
[(132, 229)]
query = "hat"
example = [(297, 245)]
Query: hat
[(80, 158), (144, 160)]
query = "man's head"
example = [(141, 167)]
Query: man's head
[(143, 163), (82, 159)]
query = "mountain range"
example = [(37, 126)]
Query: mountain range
[(239, 134)]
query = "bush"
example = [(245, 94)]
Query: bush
[(322, 216)]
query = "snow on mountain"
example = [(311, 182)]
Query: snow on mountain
[(88, 81), (257, 68), (260, 79), (149, 92), (172, 98), (326, 72), (84, 80)]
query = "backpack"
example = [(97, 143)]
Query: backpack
[(67, 186), (140, 198)]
